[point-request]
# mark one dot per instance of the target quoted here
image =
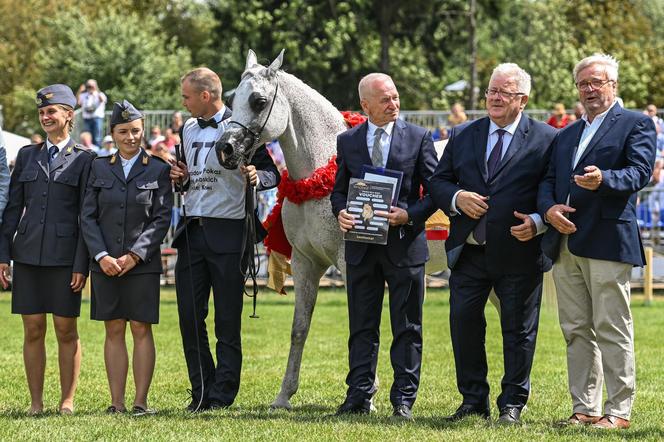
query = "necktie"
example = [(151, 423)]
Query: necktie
[(479, 232), (52, 153), (495, 155), (203, 123), (377, 151)]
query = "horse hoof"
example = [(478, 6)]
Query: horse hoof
[(281, 405)]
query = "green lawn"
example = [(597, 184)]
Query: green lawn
[(322, 388)]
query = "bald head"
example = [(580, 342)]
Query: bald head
[(204, 80), (379, 98)]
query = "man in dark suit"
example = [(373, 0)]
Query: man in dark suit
[(588, 197), (487, 182), (210, 242), (385, 141)]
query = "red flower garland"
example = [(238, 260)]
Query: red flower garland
[(319, 185)]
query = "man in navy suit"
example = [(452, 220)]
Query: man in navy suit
[(385, 141), (487, 183), (588, 197)]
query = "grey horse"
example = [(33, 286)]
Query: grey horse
[(271, 104)]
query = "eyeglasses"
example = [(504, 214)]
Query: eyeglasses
[(502, 94), (592, 85)]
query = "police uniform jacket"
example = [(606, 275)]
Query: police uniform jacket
[(132, 214), (44, 207)]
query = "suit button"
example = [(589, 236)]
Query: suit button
[(43, 207), (41, 221), (46, 180), (118, 240), (122, 189), (43, 193), (101, 182), (122, 206), (119, 223)]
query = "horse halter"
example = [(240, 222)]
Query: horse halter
[(256, 135)]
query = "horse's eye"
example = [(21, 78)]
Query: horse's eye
[(257, 101)]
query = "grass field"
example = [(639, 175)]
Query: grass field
[(322, 388)]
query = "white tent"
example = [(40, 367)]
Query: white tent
[(13, 143)]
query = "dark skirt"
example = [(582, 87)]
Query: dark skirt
[(42, 289), (134, 297)]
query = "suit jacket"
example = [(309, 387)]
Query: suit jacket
[(44, 207), (624, 150), (412, 152), (227, 235), (513, 187), (128, 214)]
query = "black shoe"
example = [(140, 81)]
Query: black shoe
[(140, 411), (198, 405), (510, 416), (353, 408), (218, 405), (403, 412), (466, 410)]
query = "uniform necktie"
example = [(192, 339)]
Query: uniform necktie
[(495, 155), (203, 123), (52, 153), (377, 151), (479, 232)]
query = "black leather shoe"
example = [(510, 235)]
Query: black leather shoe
[(198, 405), (403, 412), (466, 410), (353, 408), (510, 416)]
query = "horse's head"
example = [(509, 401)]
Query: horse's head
[(260, 113)]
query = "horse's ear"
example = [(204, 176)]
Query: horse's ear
[(251, 60), (276, 64)]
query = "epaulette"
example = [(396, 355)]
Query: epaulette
[(80, 148), (155, 157)]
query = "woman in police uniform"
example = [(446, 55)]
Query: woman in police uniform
[(40, 233), (125, 217)]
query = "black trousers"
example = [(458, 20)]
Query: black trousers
[(520, 296), (222, 273), (366, 286)]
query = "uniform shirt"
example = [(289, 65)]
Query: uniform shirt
[(214, 192), (61, 145), (92, 104)]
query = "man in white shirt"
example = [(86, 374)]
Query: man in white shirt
[(93, 104)]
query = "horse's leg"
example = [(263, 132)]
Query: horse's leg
[(306, 278)]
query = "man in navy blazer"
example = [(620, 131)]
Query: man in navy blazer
[(487, 182), (385, 141), (588, 197)]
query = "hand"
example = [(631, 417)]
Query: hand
[(127, 262), (472, 204), (556, 217), (250, 171), (109, 266), (591, 180), (77, 282), (526, 230), (396, 216), (346, 221), (5, 277), (179, 172), (81, 88)]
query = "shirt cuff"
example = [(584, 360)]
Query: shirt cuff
[(539, 224), (100, 255), (453, 207)]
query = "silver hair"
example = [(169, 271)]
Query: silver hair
[(608, 61), (367, 80), (513, 70)]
